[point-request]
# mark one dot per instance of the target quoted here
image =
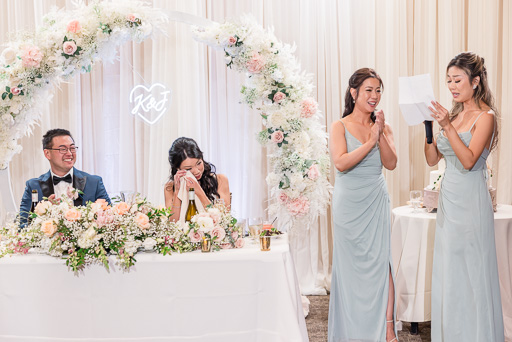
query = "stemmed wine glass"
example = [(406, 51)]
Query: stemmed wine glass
[(415, 198)]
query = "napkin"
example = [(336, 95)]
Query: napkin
[(183, 196)]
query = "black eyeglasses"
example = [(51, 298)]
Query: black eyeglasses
[(64, 150)]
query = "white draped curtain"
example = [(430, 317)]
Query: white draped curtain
[(333, 38)]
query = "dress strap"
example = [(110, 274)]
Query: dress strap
[(343, 124), (493, 126), (478, 117)]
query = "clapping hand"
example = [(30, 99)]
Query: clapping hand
[(378, 127), (440, 113)]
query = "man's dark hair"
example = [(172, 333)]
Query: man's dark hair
[(52, 133)]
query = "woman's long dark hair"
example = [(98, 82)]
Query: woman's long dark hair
[(355, 82), (183, 148), (473, 65)]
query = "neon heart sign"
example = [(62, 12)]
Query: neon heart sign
[(150, 103)]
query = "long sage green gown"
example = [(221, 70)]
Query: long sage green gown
[(466, 304), (362, 256)]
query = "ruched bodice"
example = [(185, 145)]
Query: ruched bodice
[(371, 165)]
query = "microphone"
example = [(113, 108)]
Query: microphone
[(428, 131)]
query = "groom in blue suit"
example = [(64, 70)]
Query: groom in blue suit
[(60, 150)]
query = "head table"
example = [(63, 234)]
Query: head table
[(412, 249), (229, 295)]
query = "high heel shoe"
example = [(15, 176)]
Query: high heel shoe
[(394, 339)]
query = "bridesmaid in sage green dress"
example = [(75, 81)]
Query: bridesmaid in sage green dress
[(466, 304), (362, 299)]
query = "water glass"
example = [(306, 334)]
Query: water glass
[(255, 226), (415, 198)]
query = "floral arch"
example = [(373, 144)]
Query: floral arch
[(72, 41)]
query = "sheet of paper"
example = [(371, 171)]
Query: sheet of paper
[(414, 96)]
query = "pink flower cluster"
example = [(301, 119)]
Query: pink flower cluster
[(69, 47), (279, 97), (298, 206), (308, 107), (256, 63), (31, 57), (314, 172), (74, 26)]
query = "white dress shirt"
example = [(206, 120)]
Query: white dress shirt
[(61, 188)]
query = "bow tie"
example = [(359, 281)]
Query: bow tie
[(57, 180)]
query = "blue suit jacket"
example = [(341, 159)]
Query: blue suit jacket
[(91, 185)]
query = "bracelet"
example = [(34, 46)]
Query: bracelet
[(176, 206)]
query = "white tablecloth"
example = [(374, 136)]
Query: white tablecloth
[(412, 248), (230, 295)]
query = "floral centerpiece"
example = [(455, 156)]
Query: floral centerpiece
[(88, 234)]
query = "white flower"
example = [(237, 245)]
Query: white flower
[(205, 223), (8, 56), (149, 244)]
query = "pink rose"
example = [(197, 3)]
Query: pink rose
[(69, 47), (239, 243), (313, 172), (15, 90), (226, 246), (31, 57), (279, 96), (232, 40), (74, 26), (256, 63), (309, 107), (71, 192), (283, 198), (121, 208), (142, 220), (195, 236), (234, 235), (218, 232), (103, 218), (72, 215), (132, 17), (48, 228), (277, 137), (298, 206)]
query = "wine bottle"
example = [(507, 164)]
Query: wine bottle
[(192, 208), (35, 199)]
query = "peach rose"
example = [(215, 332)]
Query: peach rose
[(69, 47), (313, 172), (277, 136), (74, 26), (256, 63), (279, 96), (239, 243), (195, 236), (72, 215), (42, 207), (48, 228), (309, 107), (31, 57), (142, 220), (121, 208), (218, 232)]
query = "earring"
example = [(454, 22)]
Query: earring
[(353, 100), (474, 86)]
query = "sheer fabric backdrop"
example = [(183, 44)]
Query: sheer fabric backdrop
[(334, 38)]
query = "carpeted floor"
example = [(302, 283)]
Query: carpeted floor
[(317, 323)]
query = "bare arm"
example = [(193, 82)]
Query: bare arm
[(432, 154), (467, 155), (387, 148), (342, 159), (223, 190), (172, 201)]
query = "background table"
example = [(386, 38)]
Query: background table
[(230, 295), (412, 248)]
